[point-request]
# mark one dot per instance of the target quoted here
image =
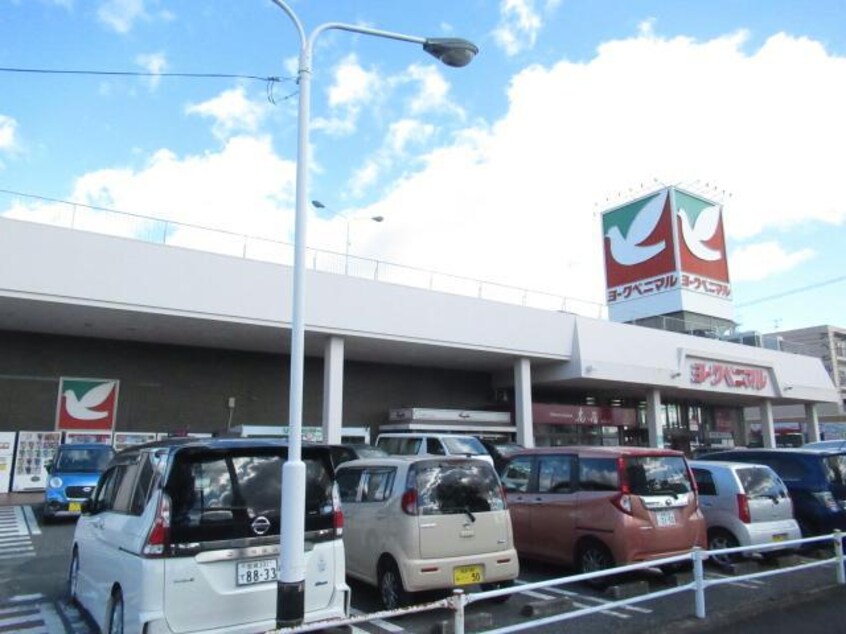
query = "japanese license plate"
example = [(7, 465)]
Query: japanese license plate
[(466, 575), (665, 518), (75, 507), (780, 537), (258, 571)]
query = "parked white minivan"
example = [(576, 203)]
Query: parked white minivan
[(416, 523), (431, 444), (182, 536), (744, 505)]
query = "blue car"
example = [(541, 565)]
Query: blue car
[(73, 475)]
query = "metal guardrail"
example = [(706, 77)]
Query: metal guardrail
[(123, 224), (698, 585)]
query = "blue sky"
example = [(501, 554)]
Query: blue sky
[(494, 171)]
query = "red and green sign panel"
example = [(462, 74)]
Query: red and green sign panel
[(89, 404), (670, 240)]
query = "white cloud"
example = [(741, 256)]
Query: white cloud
[(8, 132), (519, 24), (232, 112), (518, 200), (245, 188), (152, 63), (433, 93), (364, 177), (353, 86), (121, 15), (407, 131), (756, 262)]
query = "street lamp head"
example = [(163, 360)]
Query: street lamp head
[(452, 51), (318, 205), (377, 218)]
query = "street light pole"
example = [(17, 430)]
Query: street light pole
[(290, 588)]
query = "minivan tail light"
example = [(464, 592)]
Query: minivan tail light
[(743, 508), (409, 502), (623, 478), (159, 533), (337, 513)]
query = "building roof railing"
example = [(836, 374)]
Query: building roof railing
[(102, 220)]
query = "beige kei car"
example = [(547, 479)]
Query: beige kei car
[(415, 523)]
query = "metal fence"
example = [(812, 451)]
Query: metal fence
[(698, 585)]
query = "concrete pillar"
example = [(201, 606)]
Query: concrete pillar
[(523, 402), (333, 389), (767, 424), (812, 422), (655, 419)]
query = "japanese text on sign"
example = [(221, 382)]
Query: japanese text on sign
[(654, 285), (732, 376)]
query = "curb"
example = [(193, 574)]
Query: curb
[(546, 607), (475, 620)]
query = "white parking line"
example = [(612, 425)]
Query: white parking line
[(540, 595), (25, 597), (34, 529), (569, 593), (384, 625), (752, 584)]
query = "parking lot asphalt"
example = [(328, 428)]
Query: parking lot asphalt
[(34, 559)]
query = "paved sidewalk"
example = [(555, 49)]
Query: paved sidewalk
[(20, 499)]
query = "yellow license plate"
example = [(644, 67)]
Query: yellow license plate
[(74, 507), (466, 575), (781, 537)]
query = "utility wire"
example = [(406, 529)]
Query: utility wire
[(118, 73), (793, 291)]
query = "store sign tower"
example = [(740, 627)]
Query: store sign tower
[(665, 256)]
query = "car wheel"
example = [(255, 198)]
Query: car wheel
[(116, 616), (594, 557), (73, 576), (718, 539), (391, 590), (497, 586)]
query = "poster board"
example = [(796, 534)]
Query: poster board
[(124, 439), (77, 437), (7, 456), (33, 451)]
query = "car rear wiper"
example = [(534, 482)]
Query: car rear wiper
[(469, 514)]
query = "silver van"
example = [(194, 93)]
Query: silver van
[(432, 444), (744, 505), (417, 523)]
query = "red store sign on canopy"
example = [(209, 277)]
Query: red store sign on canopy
[(733, 376)]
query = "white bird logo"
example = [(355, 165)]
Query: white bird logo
[(627, 250), (701, 231), (82, 409)]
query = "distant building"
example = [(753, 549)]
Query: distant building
[(827, 343)]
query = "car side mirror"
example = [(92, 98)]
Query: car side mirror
[(48, 465), (87, 507)]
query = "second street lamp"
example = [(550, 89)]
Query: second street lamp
[(290, 589), (319, 205)]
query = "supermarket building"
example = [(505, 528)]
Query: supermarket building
[(199, 342)]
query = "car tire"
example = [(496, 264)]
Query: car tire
[(594, 556), (719, 538), (497, 586), (73, 576), (116, 615), (391, 591)]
